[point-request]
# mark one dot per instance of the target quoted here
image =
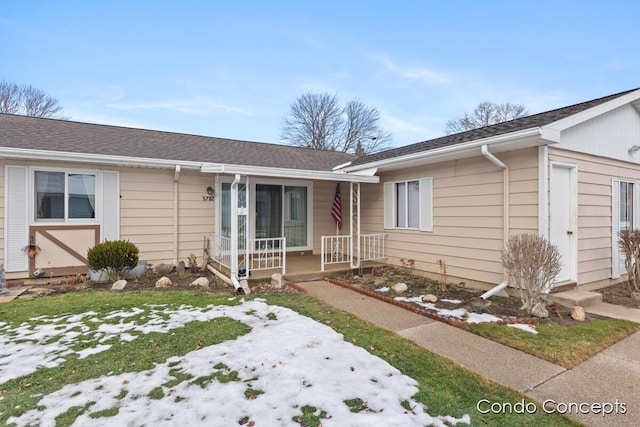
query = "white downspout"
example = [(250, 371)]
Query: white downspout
[(176, 216), (505, 199), (234, 229)]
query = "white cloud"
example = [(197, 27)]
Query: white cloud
[(423, 74), (194, 106)]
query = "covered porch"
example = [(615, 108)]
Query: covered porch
[(285, 221)]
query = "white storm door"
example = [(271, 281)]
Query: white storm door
[(563, 217)]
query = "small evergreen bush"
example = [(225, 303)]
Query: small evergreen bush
[(116, 257)]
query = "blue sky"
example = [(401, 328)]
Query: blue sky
[(232, 68)]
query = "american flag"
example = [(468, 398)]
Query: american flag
[(336, 208)]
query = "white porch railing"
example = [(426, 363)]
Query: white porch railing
[(220, 248), (372, 247), (265, 254), (338, 249), (335, 250)]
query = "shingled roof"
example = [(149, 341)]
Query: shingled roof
[(528, 122), (83, 138)]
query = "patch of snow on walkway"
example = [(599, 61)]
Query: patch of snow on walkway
[(289, 361)]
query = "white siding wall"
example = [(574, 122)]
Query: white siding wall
[(609, 135)]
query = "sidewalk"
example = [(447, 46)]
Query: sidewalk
[(610, 376)]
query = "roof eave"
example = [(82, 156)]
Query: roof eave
[(443, 153), (71, 157), (592, 112)]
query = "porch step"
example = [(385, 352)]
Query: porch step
[(576, 297)]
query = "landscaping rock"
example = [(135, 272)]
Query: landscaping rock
[(201, 282), (577, 313), (180, 268), (119, 285), (163, 269), (276, 280), (429, 298), (540, 310), (400, 288), (378, 281), (164, 282)]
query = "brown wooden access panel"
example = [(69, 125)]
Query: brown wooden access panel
[(62, 248)]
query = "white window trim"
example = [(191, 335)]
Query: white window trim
[(66, 220), (425, 204), (252, 202), (617, 260)]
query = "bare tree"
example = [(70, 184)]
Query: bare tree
[(317, 120), (28, 101), (485, 114), (10, 97)]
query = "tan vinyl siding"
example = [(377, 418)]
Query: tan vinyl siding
[(147, 212), (153, 217), (467, 217), (147, 209), (468, 214), (196, 216), (323, 223), (594, 209), (523, 189)]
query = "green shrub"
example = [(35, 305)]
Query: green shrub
[(116, 257)]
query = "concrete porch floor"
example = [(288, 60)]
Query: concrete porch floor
[(301, 268)]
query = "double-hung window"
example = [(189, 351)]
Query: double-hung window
[(408, 204), (63, 196)]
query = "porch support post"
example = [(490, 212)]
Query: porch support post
[(354, 210)]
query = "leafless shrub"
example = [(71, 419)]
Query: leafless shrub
[(533, 263), (630, 243), (408, 265)]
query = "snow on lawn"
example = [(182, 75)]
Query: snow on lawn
[(458, 313), (50, 340), (287, 362), (527, 328)]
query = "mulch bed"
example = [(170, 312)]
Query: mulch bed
[(507, 308), (619, 294), (147, 283)]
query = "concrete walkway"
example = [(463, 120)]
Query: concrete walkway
[(608, 377)]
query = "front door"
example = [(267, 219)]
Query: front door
[(563, 221)]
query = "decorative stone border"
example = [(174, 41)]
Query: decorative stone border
[(296, 287), (449, 320)]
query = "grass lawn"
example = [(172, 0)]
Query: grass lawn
[(566, 346), (443, 387)]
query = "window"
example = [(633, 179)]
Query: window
[(623, 217), (277, 210), (626, 205), (62, 196), (408, 204)]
